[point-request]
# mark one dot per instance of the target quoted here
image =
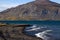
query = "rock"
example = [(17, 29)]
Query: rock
[(14, 33)]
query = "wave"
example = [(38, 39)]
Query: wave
[(33, 28), (43, 35), (46, 32)]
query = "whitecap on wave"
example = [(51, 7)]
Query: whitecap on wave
[(33, 28), (45, 32), (43, 35)]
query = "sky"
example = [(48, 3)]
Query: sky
[(4, 4)]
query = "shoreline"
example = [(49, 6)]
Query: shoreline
[(20, 28)]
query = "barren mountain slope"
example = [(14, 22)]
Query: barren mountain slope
[(36, 10)]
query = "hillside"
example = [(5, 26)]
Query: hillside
[(36, 10)]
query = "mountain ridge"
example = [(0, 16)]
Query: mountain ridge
[(36, 10)]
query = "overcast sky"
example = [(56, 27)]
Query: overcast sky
[(4, 4)]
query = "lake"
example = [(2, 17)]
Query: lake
[(32, 22), (47, 30)]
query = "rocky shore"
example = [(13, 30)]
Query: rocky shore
[(14, 32)]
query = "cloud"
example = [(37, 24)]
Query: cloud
[(5, 6)]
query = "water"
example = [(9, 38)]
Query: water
[(31, 22), (46, 32)]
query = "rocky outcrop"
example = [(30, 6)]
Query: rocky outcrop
[(14, 32), (36, 10)]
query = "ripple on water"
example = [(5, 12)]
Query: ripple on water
[(46, 32)]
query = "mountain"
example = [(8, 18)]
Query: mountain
[(36, 10)]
